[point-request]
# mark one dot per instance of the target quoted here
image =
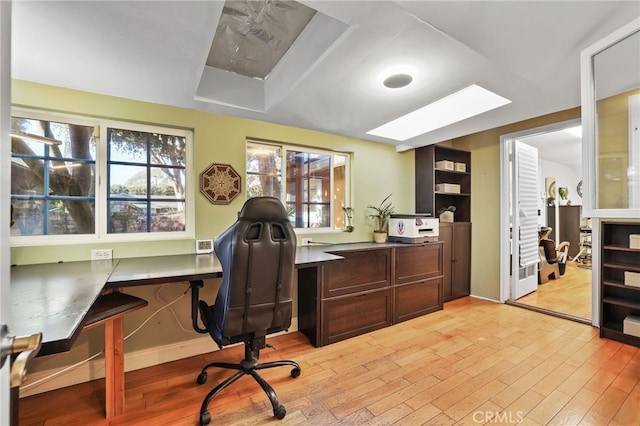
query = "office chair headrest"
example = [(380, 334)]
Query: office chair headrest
[(264, 209)]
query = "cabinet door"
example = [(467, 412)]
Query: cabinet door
[(359, 271), (418, 262), (349, 316), (446, 236), (413, 300), (461, 261)]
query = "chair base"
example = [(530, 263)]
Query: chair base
[(248, 366)]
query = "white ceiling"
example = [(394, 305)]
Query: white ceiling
[(558, 146), (527, 51)]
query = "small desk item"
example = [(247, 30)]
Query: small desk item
[(110, 310)]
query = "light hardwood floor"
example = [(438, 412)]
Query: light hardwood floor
[(571, 294), (465, 365)]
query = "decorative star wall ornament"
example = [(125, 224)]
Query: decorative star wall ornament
[(220, 183)]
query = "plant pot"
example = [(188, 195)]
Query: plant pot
[(379, 237), (446, 217)]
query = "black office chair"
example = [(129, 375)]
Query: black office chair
[(257, 254)]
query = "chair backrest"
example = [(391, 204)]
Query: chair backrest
[(257, 254), (549, 250)]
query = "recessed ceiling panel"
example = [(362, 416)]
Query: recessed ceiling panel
[(252, 36)]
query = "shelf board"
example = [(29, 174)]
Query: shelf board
[(621, 248), (453, 193), (614, 331), (620, 285), (621, 302), (631, 268), (453, 172)]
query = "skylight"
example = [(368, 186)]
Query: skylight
[(468, 102), (252, 36)]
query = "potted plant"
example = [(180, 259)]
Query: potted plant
[(446, 213), (380, 216), (348, 211)]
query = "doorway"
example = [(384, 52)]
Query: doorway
[(569, 294)]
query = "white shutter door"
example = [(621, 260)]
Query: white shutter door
[(525, 220), (528, 203)]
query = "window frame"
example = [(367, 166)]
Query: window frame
[(590, 143), (100, 234), (284, 148)]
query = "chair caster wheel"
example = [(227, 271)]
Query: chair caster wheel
[(205, 418), (295, 372), (280, 412), (202, 378)]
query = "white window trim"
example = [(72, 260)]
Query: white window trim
[(101, 236), (589, 125), (284, 147)]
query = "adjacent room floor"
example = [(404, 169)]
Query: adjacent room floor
[(467, 364), (571, 294)]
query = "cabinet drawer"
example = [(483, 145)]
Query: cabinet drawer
[(412, 300), (418, 262), (349, 316), (359, 271)]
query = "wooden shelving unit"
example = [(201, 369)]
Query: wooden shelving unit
[(428, 176), (617, 299), (456, 236)]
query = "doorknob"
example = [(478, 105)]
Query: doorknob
[(25, 347)]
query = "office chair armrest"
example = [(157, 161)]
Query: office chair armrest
[(195, 297)]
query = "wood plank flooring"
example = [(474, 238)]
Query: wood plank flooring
[(475, 362), (571, 294)]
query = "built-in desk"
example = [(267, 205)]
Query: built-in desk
[(56, 298)]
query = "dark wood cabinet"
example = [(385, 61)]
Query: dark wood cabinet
[(369, 288), (418, 284), (360, 270), (356, 294), (348, 316), (429, 176), (568, 225), (456, 239), (455, 236), (618, 300)]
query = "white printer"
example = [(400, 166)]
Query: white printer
[(413, 228)]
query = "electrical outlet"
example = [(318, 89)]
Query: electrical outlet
[(102, 254), (307, 241)]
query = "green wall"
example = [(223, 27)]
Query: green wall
[(377, 170)]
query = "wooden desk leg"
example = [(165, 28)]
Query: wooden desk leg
[(114, 366)]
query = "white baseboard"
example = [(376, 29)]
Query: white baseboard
[(40, 382)]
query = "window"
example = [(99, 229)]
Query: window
[(146, 176), (52, 177), (58, 163), (315, 187)]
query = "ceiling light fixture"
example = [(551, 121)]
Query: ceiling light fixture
[(468, 102), (397, 81), (36, 138), (397, 76)]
